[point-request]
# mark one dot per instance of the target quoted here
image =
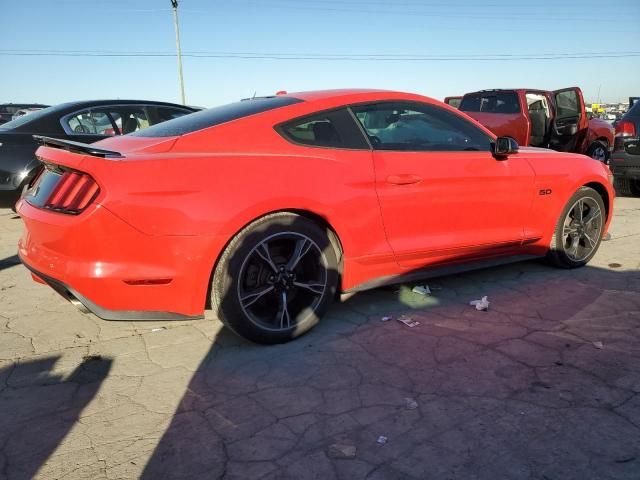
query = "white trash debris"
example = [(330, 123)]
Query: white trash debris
[(422, 289), (410, 403), (481, 305), (386, 318), (341, 450), (157, 329), (382, 440), (598, 345), (408, 321)]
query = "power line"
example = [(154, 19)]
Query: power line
[(328, 57), (220, 52)]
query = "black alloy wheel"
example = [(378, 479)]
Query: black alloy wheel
[(579, 232), (276, 278)]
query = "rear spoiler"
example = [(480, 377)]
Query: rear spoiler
[(76, 147)]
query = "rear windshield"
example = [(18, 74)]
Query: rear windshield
[(215, 116), (491, 102)]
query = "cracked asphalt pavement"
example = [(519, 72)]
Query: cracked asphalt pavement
[(545, 385)]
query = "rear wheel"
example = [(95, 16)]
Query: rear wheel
[(275, 279), (598, 151), (579, 230)]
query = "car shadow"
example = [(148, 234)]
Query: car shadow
[(41, 404), (9, 262), (274, 411)]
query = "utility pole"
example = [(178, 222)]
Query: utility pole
[(174, 4)]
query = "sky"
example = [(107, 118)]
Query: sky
[(53, 51)]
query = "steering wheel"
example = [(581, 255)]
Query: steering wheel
[(81, 129)]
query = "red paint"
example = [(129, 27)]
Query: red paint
[(168, 208)]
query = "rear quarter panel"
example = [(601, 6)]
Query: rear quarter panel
[(217, 181)]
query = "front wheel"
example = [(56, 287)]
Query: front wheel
[(275, 279), (579, 230)]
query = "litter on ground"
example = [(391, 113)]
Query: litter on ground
[(410, 403), (422, 289), (341, 450), (382, 440), (386, 318), (598, 345), (481, 305), (408, 321)]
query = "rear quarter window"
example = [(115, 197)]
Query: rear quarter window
[(491, 102), (330, 129), (215, 116)]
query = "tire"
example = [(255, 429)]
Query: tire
[(280, 259), (598, 151), (577, 237)]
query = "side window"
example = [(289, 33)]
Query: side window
[(134, 119), (491, 102), (162, 114), (419, 127), (454, 102), (327, 129), (567, 104), (90, 122), (167, 113)]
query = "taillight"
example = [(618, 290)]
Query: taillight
[(73, 193), (625, 128)]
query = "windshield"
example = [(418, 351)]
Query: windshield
[(25, 119)]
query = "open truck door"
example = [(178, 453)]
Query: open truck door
[(570, 123)]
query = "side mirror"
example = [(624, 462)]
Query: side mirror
[(503, 147)]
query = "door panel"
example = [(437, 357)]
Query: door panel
[(570, 124), (442, 194), (467, 204)]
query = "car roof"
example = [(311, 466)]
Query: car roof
[(89, 103), (309, 96), (49, 118), (499, 90), (22, 104), (336, 98)]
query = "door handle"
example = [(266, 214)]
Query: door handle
[(403, 179)]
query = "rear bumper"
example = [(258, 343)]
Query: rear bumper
[(101, 262), (87, 306), (625, 165)]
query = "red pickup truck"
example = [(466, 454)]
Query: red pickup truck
[(539, 118)]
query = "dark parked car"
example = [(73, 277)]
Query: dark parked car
[(86, 122), (625, 159), (8, 109)]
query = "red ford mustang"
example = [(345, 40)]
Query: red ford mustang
[(266, 207)]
